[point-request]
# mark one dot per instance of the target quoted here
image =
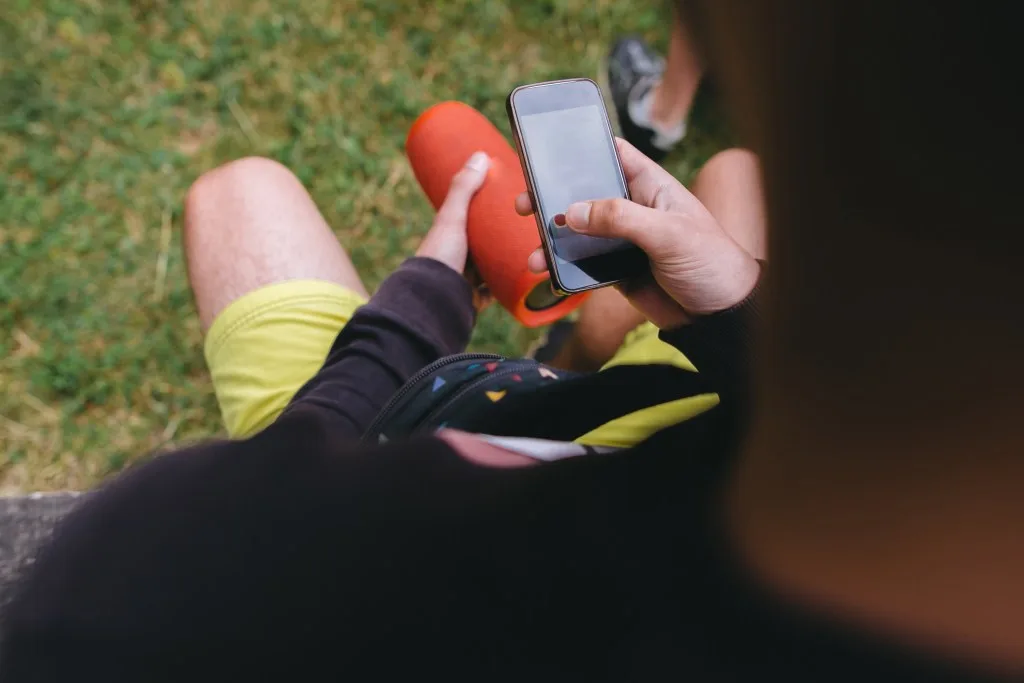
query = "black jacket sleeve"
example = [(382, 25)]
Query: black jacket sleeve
[(721, 347), (422, 312)]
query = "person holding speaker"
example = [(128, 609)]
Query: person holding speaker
[(272, 289), (277, 295)]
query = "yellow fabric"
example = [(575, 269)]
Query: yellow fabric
[(265, 345), (642, 347)]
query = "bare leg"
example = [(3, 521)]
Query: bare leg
[(673, 97), (729, 185), (250, 223), (606, 317)]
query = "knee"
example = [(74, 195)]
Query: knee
[(230, 185), (727, 164)]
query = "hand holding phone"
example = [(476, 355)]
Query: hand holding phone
[(696, 267), (565, 145)]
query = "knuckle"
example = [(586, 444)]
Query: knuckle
[(667, 196), (616, 212)]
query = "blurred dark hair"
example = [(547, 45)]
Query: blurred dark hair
[(890, 139), (904, 101)]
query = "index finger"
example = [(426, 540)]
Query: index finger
[(464, 186), (644, 176), (524, 207)]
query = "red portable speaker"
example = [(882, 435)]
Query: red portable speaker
[(440, 142)]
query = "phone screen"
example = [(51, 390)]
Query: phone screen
[(567, 143), (572, 162)]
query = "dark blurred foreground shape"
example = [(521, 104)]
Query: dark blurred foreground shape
[(25, 522)]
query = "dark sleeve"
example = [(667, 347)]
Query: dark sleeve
[(721, 346), (422, 312)]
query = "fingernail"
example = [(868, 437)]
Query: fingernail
[(578, 215), (479, 161)]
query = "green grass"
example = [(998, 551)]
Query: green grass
[(110, 109)]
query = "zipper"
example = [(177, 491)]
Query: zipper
[(475, 384), (418, 376)]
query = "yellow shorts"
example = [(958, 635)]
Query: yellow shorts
[(265, 345), (642, 347)]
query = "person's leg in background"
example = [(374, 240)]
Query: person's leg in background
[(673, 96), (653, 97), (588, 342), (273, 287), (729, 186)]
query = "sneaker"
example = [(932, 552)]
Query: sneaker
[(633, 70)]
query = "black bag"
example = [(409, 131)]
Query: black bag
[(449, 391), (491, 394)]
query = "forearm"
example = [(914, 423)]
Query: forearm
[(422, 312)]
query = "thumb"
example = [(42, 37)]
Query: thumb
[(647, 228), (464, 185)]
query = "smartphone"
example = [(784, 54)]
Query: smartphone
[(567, 150)]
